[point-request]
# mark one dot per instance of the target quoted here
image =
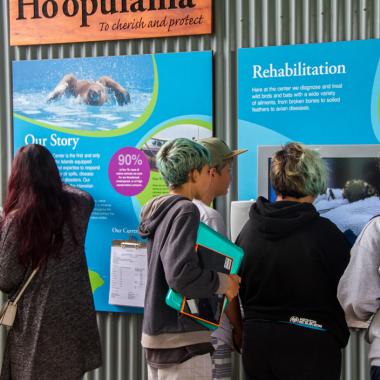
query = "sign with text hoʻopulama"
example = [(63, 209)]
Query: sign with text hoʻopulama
[(60, 21)]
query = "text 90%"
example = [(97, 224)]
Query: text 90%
[(130, 159)]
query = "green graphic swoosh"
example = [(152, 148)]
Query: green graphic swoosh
[(197, 122), (95, 280)]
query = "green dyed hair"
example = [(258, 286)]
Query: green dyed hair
[(178, 157), (298, 171)]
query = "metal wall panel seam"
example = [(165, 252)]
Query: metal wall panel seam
[(144, 370), (141, 355), (138, 349), (299, 22), (252, 22), (220, 62), (376, 19), (117, 48), (352, 358), (144, 46), (129, 50), (265, 23), (196, 43), (362, 19), (154, 46), (5, 125), (100, 372), (121, 344), (191, 44), (243, 8), (202, 43), (221, 79), (348, 20), (3, 107), (82, 50), (292, 22), (240, 24), (106, 49), (306, 21), (39, 53), (72, 51), (111, 325), (6, 99), (363, 357), (28, 53), (278, 22), (320, 21), (132, 347), (229, 133), (334, 21), (313, 10), (17, 53), (243, 39)]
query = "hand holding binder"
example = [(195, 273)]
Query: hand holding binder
[(219, 254), (233, 286)]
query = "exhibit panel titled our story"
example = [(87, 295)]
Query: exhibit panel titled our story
[(104, 119), (324, 95)]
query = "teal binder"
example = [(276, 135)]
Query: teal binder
[(216, 253)]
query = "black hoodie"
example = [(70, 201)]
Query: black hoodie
[(170, 223), (293, 262)]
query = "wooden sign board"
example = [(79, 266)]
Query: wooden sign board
[(35, 22)]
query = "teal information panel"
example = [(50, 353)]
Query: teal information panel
[(319, 94), (104, 119)]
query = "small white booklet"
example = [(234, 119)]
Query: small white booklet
[(128, 273)]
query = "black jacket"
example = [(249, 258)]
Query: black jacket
[(293, 262)]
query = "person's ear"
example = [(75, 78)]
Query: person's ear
[(193, 175), (213, 172)]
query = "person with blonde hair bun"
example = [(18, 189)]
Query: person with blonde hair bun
[(294, 327)]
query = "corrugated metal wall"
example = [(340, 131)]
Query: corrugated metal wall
[(237, 23)]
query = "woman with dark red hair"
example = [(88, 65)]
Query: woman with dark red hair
[(55, 334)]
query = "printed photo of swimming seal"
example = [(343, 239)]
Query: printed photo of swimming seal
[(94, 93)]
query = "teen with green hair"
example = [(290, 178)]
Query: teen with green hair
[(176, 347), (294, 327)]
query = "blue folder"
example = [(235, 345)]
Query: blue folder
[(216, 253)]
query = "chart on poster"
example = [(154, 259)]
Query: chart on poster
[(104, 119)]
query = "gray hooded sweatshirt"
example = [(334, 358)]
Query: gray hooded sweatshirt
[(170, 223), (359, 287)]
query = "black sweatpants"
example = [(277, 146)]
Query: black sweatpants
[(279, 351), (375, 373)]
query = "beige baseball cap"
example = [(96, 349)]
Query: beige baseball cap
[(219, 150)]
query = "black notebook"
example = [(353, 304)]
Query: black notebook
[(209, 309)]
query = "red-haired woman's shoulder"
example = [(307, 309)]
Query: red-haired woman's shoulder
[(79, 196)]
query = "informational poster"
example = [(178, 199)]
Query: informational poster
[(326, 95), (105, 119), (37, 22)]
